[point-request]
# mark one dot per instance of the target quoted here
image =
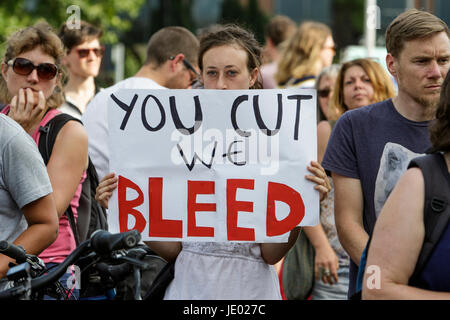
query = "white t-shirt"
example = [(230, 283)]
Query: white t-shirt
[(95, 120)]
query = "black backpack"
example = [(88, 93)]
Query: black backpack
[(436, 215), (91, 215)]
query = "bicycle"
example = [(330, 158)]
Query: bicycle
[(105, 260)]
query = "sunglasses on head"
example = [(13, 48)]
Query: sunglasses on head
[(324, 93), (83, 53), (24, 67)]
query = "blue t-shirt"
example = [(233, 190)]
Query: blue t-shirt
[(374, 144)]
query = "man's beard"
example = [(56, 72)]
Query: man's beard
[(429, 104)]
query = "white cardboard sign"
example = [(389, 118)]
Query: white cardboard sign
[(212, 165)]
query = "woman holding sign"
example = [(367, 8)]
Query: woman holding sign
[(229, 59)]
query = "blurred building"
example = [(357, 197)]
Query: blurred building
[(207, 11)]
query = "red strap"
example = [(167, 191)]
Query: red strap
[(51, 113)]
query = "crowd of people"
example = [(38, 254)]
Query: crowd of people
[(371, 123)]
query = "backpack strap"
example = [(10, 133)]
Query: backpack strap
[(46, 135), (436, 207), (49, 128)]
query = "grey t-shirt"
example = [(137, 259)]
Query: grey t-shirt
[(23, 177), (374, 144)]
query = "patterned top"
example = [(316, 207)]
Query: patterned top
[(329, 226)]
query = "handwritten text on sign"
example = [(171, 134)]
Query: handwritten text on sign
[(212, 165)]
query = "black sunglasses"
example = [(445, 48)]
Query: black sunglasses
[(24, 67), (83, 53), (324, 93)]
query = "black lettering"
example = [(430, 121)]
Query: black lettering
[(260, 121), (127, 108), (236, 104), (144, 117), (299, 99), (229, 154), (191, 165), (176, 118)]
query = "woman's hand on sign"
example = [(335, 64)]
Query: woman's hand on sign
[(320, 178), (27, 108), (105, 189)]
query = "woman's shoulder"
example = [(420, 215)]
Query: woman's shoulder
[(324, 126), (72, 135)]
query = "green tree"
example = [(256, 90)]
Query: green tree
[(113, 16)]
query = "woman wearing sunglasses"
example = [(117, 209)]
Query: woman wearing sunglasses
[(83, 59), (31, 83)]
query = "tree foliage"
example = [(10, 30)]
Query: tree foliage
[(111, 15)]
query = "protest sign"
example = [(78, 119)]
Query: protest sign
[(212, 165)]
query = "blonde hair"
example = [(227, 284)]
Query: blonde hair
[(40, 35), (301, 56), (383, 87)]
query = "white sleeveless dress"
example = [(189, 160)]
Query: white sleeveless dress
[(222, 271)]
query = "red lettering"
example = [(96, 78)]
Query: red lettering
[(126, 207), (195, 188), (159, 227), (236, 233), (281, 192)]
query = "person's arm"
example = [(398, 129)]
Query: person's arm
[(325, 257), (274, 252), (165, 249), (348, 211), (41, 232), (397, 240), (67, 163), (323, 135)]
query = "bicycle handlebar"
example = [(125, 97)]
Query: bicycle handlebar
[(11, 250), (103, 242)]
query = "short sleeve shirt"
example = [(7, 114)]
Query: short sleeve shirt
[(374, 144), (23, 177)]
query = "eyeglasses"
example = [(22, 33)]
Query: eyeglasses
[(189, 66), (24, 67), (83, 53), (324, 93)]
